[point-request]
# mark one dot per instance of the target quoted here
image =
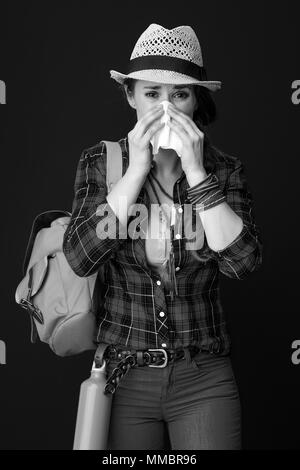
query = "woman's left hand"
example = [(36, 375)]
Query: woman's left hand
[(192, 139)]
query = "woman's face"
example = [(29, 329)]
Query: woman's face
[(148, 94)]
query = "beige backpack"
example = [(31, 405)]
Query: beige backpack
[(62, 306)]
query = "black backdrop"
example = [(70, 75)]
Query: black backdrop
[(60, 100)]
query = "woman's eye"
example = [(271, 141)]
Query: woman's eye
[(151, 93), (181, 94)]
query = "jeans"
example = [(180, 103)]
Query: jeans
[(189, 404)]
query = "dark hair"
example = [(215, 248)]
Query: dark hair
[(205, 114)]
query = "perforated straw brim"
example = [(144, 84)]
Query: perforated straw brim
[(165, 76)]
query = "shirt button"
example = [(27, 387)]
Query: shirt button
[(180, 209), (158, 283), (177, 268), (177, 235), (164, 345), (161, 314)]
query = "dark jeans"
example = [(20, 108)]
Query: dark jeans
[(189, 404)]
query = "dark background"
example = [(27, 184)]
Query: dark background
[(55, 60)]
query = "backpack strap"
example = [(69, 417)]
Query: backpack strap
[(114, 172), (114, 165)]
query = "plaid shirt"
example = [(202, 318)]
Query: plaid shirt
[(138, 312)]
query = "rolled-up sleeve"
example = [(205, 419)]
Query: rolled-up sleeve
[(244, 254), (94, 233)]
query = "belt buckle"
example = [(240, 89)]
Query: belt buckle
[(165, 357)]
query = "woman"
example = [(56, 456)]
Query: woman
[(169, 355)]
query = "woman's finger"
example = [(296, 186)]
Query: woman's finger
[(147, 120), (181, 131), (151, 131), (186, 122)]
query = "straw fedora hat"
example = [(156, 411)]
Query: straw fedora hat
[(167, 56)]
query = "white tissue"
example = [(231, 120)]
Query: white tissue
[(166, 138)]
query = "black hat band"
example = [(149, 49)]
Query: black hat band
[(162, 62)]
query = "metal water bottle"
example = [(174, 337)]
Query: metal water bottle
[(93, 415)]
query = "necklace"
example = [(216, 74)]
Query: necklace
[(169, 263), (160, 186), (157, 198)]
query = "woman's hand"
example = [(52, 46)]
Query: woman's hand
[(192, 139), (140, 156)]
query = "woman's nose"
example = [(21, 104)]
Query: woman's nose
[(165, 98), (168, 102)]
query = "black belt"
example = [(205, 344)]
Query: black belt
[(153, 357)]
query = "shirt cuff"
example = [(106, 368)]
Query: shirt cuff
[(244, 244)]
